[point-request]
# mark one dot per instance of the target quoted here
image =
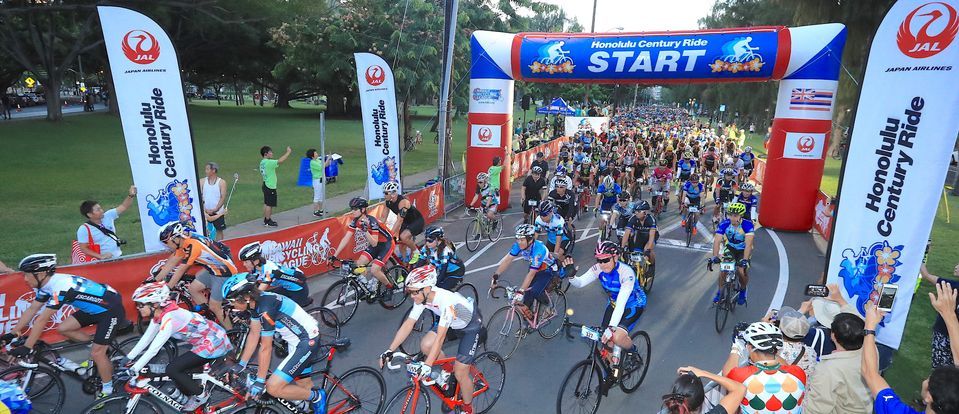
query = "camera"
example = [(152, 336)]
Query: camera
[(121, 242)]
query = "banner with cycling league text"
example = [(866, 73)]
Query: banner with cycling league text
[(597, 124), (149, 93), (903, 135), (380, 126)]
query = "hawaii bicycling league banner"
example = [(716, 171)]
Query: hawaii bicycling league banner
[(904, 133), (149, 93), (380, 128)]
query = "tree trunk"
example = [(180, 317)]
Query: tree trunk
[(407, 124), (111, 96), (52, 92), (216, 91), (283, 97)]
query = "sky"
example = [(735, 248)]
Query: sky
[(637, 15)]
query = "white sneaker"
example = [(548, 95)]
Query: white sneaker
[(196, 402)]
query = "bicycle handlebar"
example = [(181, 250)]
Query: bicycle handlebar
[(410, 360)]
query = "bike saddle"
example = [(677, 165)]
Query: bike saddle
[(125, 327), (341, 343)]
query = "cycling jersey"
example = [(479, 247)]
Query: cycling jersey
[(709, 161), (750, 202), (686, 166), (623, 213), (555, 225), (83, 294), (444, 260), (279, 314), (609, 196), (489, 196), (620, 284), (639, 229), (206, 338), (412, 214), (454, 310), (197, 252), (725, 188), (532, 187), (693, 191), (584, 170), (564, 203), (578, 157), (662, 173), (735, 235), (373, 226), (283, 280), (536, 254), (747, 159), (771, 391)]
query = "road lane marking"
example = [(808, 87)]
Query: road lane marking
[(783, 283), (479, 253)]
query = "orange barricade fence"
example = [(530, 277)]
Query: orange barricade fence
[(306, 246), (522, 160), (759, 172), (823, 217)]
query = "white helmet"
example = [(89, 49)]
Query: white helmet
[(607, 181), (421, 277), (764, 336), (482, 176), (154, 292), (391, 187)]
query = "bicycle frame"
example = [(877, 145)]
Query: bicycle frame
[(511, 292), (598, 354), (352, 271), (143, 387), (453, 402)]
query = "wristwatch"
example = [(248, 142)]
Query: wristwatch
[(866, 332)]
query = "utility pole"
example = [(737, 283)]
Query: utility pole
[(443, 167), (592, 29)]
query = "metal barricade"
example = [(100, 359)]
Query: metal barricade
[(454, 192)]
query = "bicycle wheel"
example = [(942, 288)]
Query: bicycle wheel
[(505, 330), (690, 225), (258, 409), (473, 235), (343, 297), (496, 229), (408, 400), (327, 322), (118, 405), (550, 328), (361, 389), (237, 337), (489, 378), (636, 365), (420, 328), (397, 297), (580, 390), (722, 310), (41, 384), (469, 291), (166, 354)]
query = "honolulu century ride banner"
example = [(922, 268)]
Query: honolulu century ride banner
[(149, 92), (378, 102), (904, 133)]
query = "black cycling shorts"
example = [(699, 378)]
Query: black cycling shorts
[(469, 342), (107, 322), (564, 244), (415, 227), (629, 319), (737, 254), (299, 363), (450, 280), (379, 254)]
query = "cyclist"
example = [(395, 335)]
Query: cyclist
[(369, 233), (641, 233), (692, 196), (659, 181), (686, 167), (553, 224), (748, 158), (540, 264), (724, 192), (95, 304), (584, 174), (564, 160), (563, 198), (454, 312), (606, 195), (274, 278), (487, 195), (627, 301), (272, 314), (710, 160), (735, 234), (441, 254), (621, 212), (540, 162), (781, 387), (748, 199), (559, 175), (409, 221), (189, 250), (533, 188), (208, 341)]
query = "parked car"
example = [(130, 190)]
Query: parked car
[(208, 95)]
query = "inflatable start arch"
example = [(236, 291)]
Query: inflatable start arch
[(806, 61)]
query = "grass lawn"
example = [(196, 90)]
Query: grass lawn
[(56, 166)]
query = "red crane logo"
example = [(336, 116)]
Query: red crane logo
[(485, 134), (922, 44), (141, 47), (375, 76), (805, 144)]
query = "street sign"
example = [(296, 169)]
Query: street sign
[(30, 82), (722, 108)]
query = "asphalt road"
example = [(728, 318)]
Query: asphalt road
[(678, 318)]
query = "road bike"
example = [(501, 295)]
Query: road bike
[(606, 230), (428, 320), (482, 227), (488, 372), (692, 219), (639, 260), (530, 218), (604, 368), (345, 295), (658, 205), (508, 325), (729, 292), (584, 197), (326, 321)]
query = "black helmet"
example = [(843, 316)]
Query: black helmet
[(358, 203), (38, 263), (251, 251), (642, 205), (624, 196), (171, 230), (434, 232)]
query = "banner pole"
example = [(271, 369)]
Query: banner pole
[(445, 87), (323, 155)]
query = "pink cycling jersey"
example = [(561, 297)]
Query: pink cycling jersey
[(205, 337), (661, 173)]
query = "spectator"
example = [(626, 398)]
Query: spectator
[(5, 104), (836, 386), (332, 166), (214, 198), (783, 386), (268, 171), (316, 170), (940, 391), (942, 355), (688, 394), (494, 173), (795, 326), (97, 237)]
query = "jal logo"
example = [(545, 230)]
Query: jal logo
[(805, 144), (141, 47), (485, 134), (375, 76), (928, 30)]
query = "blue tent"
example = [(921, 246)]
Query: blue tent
[(557, 107)]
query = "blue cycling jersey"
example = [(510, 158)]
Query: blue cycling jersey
[(578, 157), (749, 202), (735, 235), (747, 158), (609, 196), (282, 277), (693, 191), (685, 165), (555, 225), (612, 282), (445, 259), (81, 293), (536, 254), (278, 313)]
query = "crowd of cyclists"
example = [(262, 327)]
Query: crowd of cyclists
[(626, 175)]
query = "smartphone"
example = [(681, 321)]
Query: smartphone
[(817, 291), (887, 296), (774, 314)]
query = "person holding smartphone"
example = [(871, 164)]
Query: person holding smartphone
[(942, 355)]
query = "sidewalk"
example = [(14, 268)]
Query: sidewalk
[(40, 111)]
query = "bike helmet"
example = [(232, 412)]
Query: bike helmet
[(251, 251), (727, 171), (623, 196), (359, 203), (764, 336), (607, 249), (736, 208), (748, 149), (482, 177), (171, 230), (421, 277), (565, 182), (560, 170), (391, 187), (540, 154), (587, 160), (608, 182), (237, 285), (694, 177), (537, 170), (747, 187), (525, 230), (642, 205), (434, 232), (687, 154), (154, 292), (38, 263), (546, 207)]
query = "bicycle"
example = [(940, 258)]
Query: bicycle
[(657, 203), (839, 151), (326, 320), (361, 389), (731, 288), (427, 320), (607, 229), (489, 377), (530, 218), (692, 219), (509, 325), (584, 197), (640, 263), (481, 227), (344, 296), (604, 368)]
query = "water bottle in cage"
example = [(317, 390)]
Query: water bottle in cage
[(614, 359), (68, 364)]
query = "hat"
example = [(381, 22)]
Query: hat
[(825, 310), (793, 324)]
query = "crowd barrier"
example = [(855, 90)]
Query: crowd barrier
[(823, 219), (306, 246)]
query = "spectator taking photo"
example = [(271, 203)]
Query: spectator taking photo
[(97, 238)]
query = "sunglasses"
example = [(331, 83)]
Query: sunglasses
[(430, 240), (606, 260), (413, 292)]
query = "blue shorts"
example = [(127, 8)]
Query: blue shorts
[(299, 363)]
